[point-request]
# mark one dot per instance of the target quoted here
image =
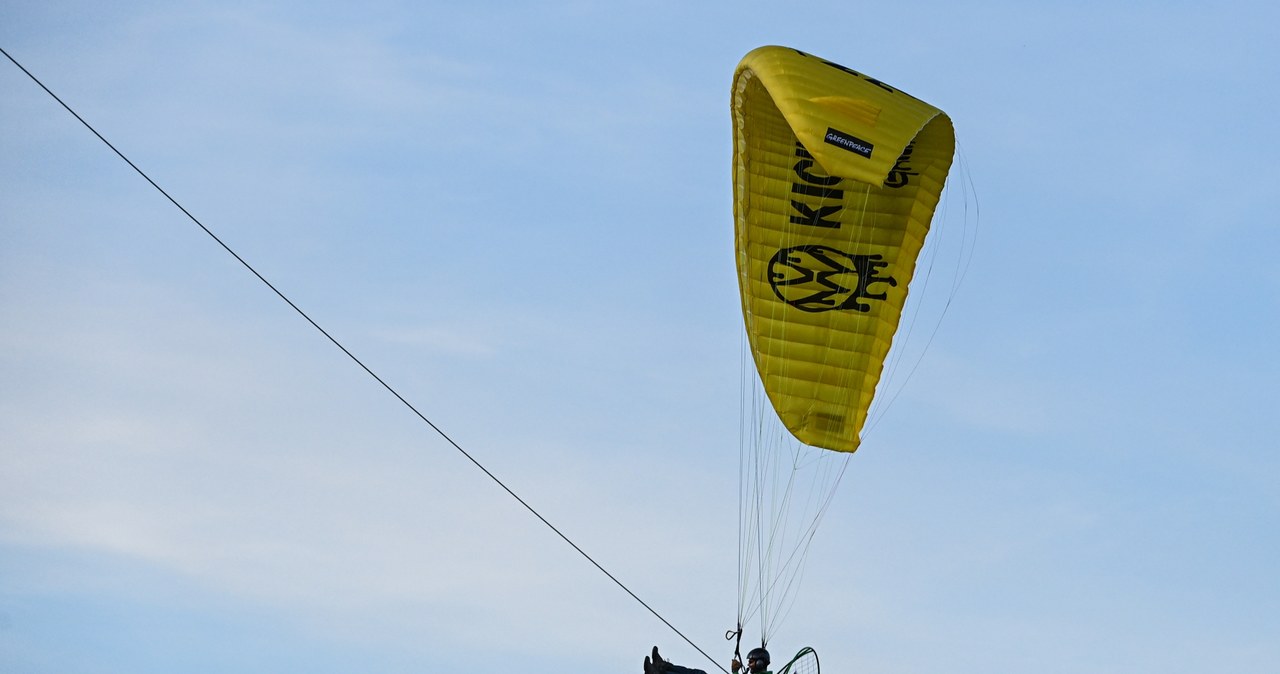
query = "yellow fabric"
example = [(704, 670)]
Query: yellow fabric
[(836, 176)]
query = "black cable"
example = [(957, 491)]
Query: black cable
[(357, 361)]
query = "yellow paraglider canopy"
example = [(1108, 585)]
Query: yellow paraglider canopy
[(836, 178)]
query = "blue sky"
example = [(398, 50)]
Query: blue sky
[(519, 215)]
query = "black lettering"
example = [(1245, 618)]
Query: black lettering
[(851, 71), (868, 267), (814, 217), (817, 191), (814, 185), (802, 169), (900, 175)]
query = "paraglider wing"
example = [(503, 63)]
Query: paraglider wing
[(836, 177)]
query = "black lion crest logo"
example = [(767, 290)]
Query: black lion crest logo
[(820, 278)]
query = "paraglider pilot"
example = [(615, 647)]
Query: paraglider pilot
[(757, 662)]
